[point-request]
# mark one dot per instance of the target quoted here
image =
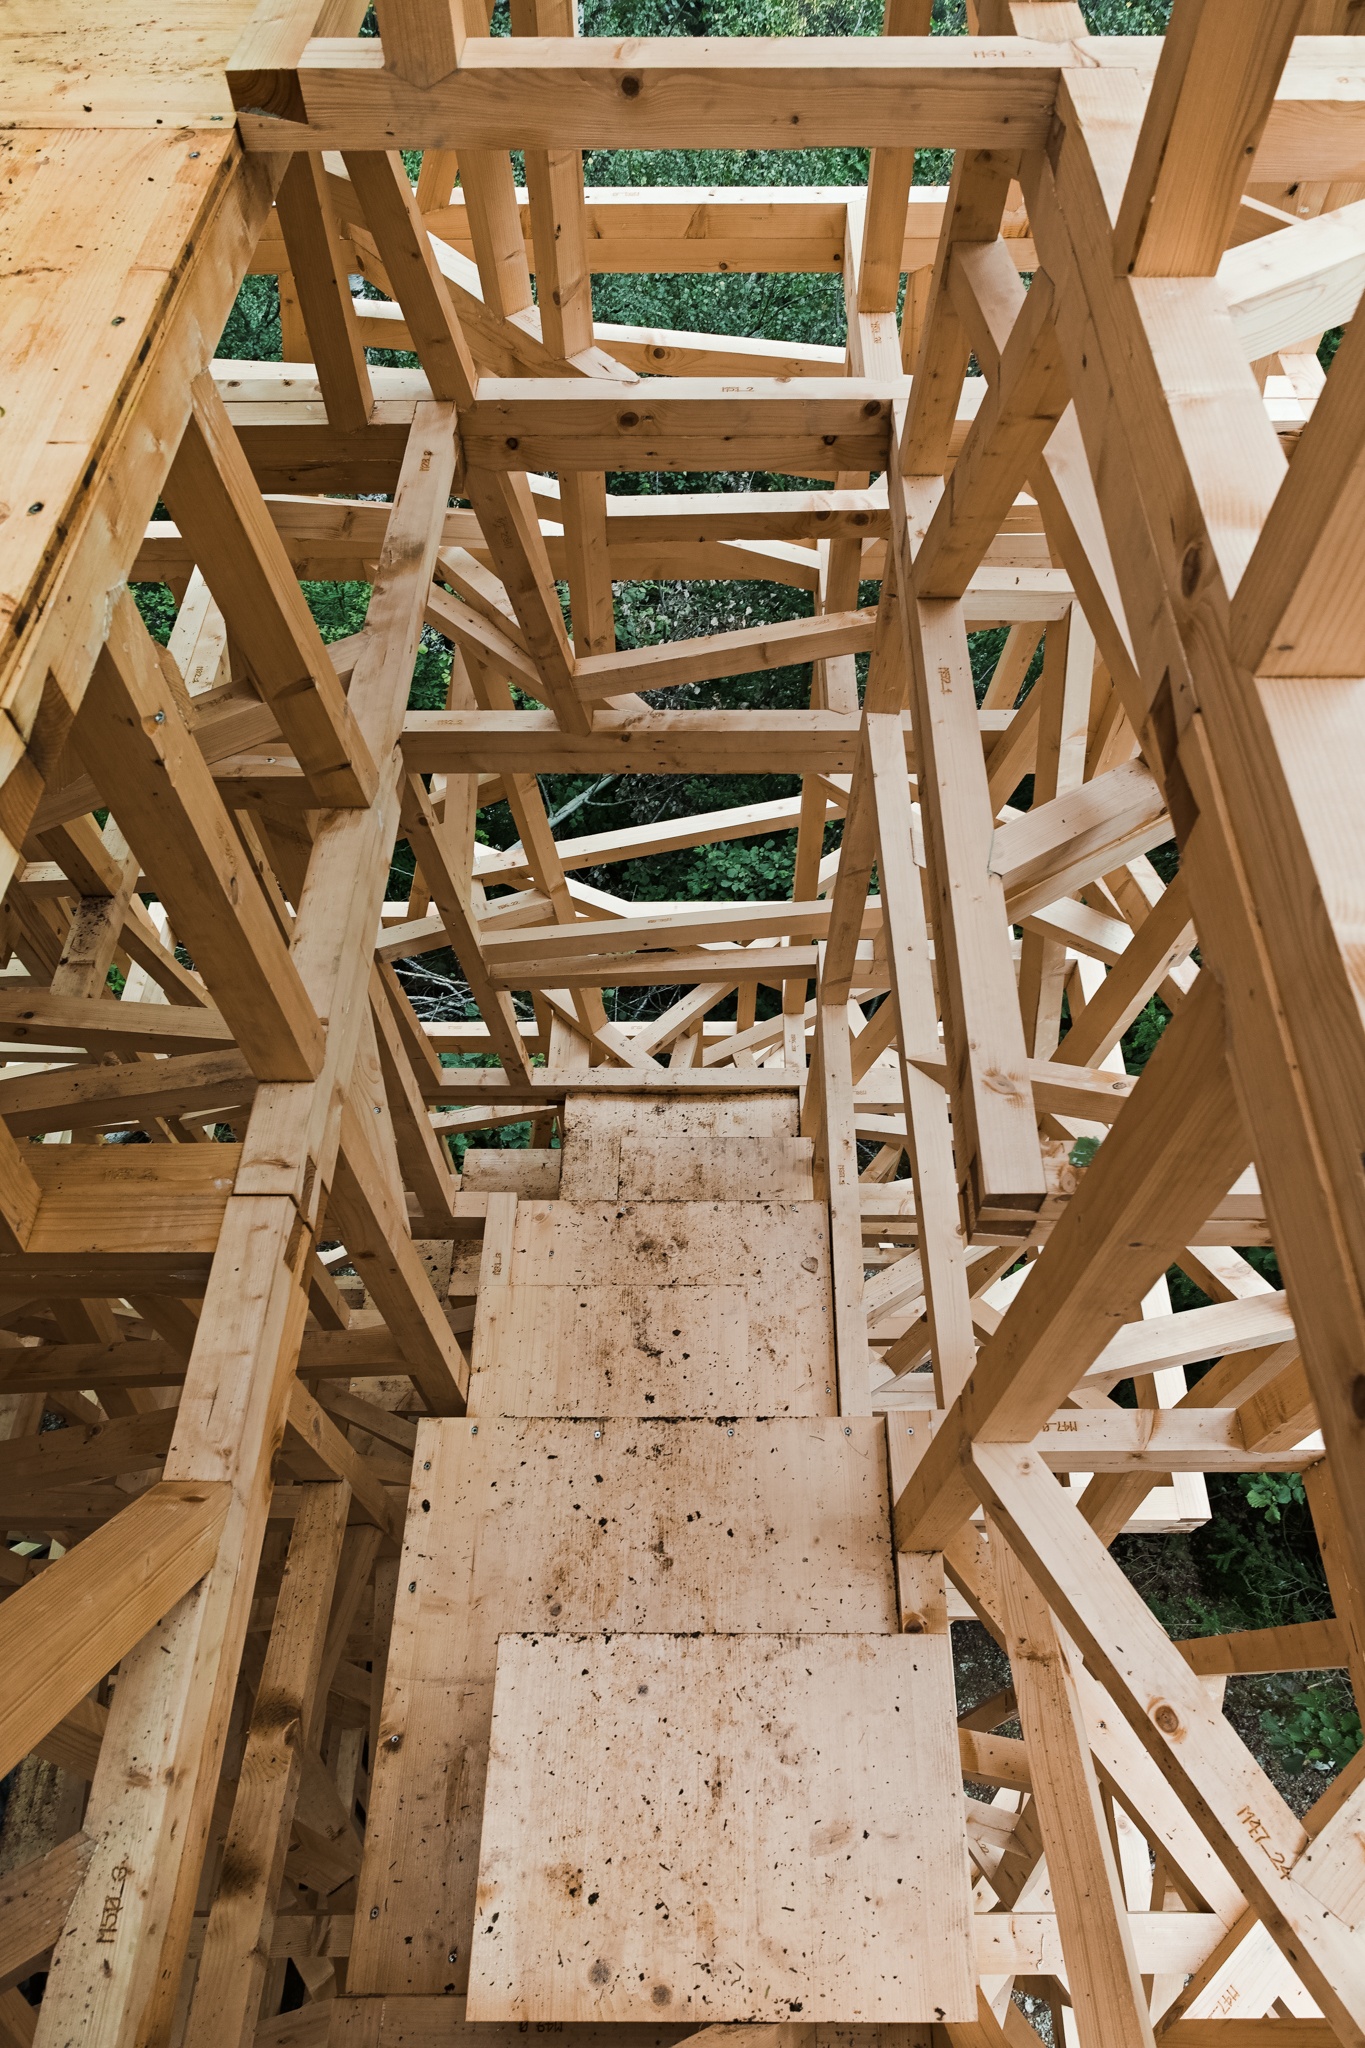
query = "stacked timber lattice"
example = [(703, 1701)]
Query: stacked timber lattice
[(442, 1604)]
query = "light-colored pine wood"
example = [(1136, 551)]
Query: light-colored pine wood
[(275, 1298), (237, 1940), (713, 1741), (465, 1576)]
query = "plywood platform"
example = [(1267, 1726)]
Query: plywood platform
[(665, 1308), (687, 1526), (728, 1827), (673, 1530)]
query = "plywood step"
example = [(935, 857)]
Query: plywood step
[(669, 1308), (652, 1166), (659, 1557), (580, 1526), (724, 1827)]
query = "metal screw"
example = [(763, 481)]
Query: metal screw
[(374, 1912), (596, 1435), (193, 154), (473, 1429), (453, 1955), (426, 1467), (395, 1741), (909, 1432), (158, 718), (36, 508), (117, 320), (729, 1432), (412, 1585), (848, 1432)]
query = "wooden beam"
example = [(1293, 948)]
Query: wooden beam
[(72, 1626), (1235, 1804), (1210, 101), (321, 275), (214, 501), (932, 97), (676, 423), (232, 1967), (1176, 1147), (997, 1124), (942, 1246), (422, 38), (135, 733), (1107, 1995)]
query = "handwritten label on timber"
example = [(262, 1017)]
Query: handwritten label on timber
[(1260, 1834), (113, 1903)]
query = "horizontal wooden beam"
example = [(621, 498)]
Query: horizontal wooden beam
[(710, 924), (587, 93), (151, 1214), (1295, 1646), (74, 1097), (952, 93), (37, 1017), (771, 965), (700, 231), (661, 743), (484, 1085), (679, 423)]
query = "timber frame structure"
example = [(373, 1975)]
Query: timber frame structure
[(523, 1600)]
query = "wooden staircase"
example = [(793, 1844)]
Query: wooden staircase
[(654, 1748)]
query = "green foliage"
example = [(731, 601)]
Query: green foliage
[(1258, 1571), (157, 607), (338, 608), (1320, 1730), (505, 1137), (1139, 1040), (252, 334), (1272, 1491), (1127, 17)]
